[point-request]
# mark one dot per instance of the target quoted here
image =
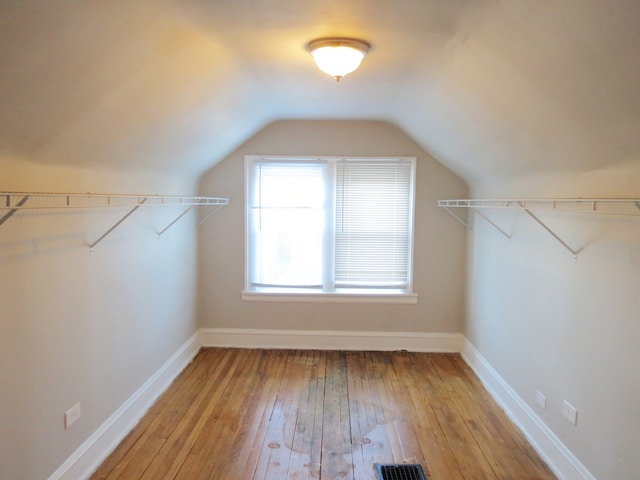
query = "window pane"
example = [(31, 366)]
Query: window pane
[(286, 219)]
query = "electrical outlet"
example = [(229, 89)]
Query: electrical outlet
[(541, 399), (72, 415), (569, 412)]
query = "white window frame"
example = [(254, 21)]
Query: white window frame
[(399, 296)]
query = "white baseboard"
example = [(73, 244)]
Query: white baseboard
[(564, 464), (330, 340), (84, 461)]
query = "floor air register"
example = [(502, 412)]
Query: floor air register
[(400, 472)]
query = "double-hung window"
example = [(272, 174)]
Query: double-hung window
[(325, 228)]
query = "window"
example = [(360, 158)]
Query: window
[(329, 227)]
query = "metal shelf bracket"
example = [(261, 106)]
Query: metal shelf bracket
[(91, 247), (218, 207), (211, 214), (487, 219), (553, 234), (467, 226), (482, 215), (14, 209), (176, 219)]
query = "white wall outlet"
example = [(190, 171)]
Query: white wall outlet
[(569, 412), (72, 415), (541, 400)]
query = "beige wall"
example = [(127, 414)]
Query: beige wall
[(76, 327), (87, 328), (439, 273), (569, 329)]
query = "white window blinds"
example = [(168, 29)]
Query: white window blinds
[(373, 223)]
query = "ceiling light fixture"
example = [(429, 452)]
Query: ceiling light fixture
[(338, 56)]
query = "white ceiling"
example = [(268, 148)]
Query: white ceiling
[(489, 87)]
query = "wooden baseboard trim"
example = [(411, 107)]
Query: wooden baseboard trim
[(330, 340), (84, 461), (560, 459)]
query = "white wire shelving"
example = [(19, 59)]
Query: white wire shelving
[(593, 206), (13, 202)]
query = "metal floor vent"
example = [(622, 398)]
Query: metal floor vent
[(400, 472)]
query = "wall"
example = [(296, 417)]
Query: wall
[(76, 327), (439, 255), (570, 330)]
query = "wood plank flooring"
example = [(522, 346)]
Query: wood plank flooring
[(285, 414)]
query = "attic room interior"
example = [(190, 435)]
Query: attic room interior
[(137, 143)]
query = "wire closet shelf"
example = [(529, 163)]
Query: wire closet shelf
[(597, 206), (604, 206), (13, 202)]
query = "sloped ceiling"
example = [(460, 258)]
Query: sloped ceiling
[(489, 87)]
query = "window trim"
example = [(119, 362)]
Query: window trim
[(389, 296), (330, 297)]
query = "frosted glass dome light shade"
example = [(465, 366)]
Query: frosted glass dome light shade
[(338, 56)]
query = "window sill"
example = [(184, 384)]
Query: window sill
[(323, 297)]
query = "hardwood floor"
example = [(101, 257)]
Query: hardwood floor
[(284, 414)]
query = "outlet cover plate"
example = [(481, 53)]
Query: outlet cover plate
[(72, 415), (570, 413), (541, 400)]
